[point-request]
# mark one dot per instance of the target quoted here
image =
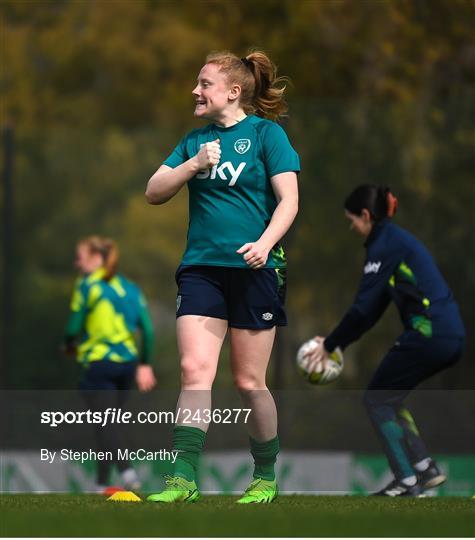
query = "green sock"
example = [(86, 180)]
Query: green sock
[(265, 456), (189, 441), (395, 448)]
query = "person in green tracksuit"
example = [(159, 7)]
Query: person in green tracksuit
[(106, 311), (241, 174)]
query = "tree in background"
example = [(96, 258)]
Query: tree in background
[(98, 92)]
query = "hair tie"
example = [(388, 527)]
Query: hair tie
[(246, 62), (392, 204)]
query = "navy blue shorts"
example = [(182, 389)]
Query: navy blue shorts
[(252, 299), (108, 375)]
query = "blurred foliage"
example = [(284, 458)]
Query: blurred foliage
[(100, 92)]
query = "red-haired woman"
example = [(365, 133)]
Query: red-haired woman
[(241, 174)]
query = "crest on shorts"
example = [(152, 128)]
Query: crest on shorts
[(242, 145)]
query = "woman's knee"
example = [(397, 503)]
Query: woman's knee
[(196, 370), (249, 381), (381, 405)]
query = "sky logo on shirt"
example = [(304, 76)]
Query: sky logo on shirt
[(372, 267), (225, 171)]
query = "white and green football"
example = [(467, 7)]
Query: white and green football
[(319, 376)]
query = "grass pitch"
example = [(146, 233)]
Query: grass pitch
[(291, 516)]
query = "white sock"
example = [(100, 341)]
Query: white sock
[(99, 488), (423, 465), (129, 476), (410, 480)]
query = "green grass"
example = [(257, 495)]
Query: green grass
[(291, 516)]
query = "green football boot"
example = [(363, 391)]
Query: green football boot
[(178, 490), (260, 491)]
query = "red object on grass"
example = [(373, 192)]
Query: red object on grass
[(110, 490)]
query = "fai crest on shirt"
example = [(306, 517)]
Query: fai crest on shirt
[(242, 146)]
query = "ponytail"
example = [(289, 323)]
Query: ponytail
[(269, 90), (262, 92), (107, 249), (392, 203), (378, 200), (111, 257)]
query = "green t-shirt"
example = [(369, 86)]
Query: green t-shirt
[(233, 203)]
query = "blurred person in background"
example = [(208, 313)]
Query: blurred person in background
[(398, 268), (241, 174), (106, 311)]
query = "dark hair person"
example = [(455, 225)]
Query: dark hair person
[(398, 268)]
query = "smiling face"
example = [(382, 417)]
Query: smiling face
[(213, 94), (362, 224)]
